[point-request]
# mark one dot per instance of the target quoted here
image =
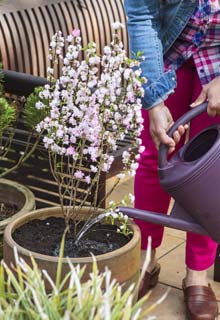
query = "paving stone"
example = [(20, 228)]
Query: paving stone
[(172, 308)]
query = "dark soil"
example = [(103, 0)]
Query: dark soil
[(44, 236), (7, 210)]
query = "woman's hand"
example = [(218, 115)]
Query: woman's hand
[(160, 122), (211, 93)]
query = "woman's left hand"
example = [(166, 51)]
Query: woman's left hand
[(211, 93)]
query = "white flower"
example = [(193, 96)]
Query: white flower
[(141, 149), (53, 44), (117, 25), (125, 156), (66, 61), (94, 60), (93, 168), (107, 50), (121, 175), (127, 74), (114, 215), (92, 83), (131, 197), (134, 166), (39, 105), (105, 167)]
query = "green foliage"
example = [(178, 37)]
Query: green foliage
[(32, 115), (23, 297), (137, 55), (7, 110), (7, 115)]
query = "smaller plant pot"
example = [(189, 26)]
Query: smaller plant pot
[(124, 262), (18, 196)]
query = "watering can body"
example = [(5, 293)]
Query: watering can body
[(192, 177)]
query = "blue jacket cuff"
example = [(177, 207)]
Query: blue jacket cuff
[(158, 91)]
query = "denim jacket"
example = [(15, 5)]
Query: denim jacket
[(153, 26)]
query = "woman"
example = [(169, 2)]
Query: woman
[(180, 40)]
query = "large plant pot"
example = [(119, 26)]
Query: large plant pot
[(124, 263), (15, 194)]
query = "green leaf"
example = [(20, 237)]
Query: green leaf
[(2, 282), (32, 115), (60, 262), (7, 115)]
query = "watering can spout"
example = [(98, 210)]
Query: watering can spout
[(178, 219)]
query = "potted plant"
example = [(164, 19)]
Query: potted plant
[(15, 198), (25, 296), (94, 102)]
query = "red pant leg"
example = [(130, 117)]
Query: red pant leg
[(148, 193)]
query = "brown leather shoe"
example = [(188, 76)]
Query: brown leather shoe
[(149, 281), (200, 302)]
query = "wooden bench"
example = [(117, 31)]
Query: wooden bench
[(26, 28)]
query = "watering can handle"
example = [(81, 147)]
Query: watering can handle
[(181, 121)]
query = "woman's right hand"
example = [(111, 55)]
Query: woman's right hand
[(161, 121)]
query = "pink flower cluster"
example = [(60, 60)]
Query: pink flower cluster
[(94, 103)]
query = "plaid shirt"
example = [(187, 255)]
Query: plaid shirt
[(200, 40)]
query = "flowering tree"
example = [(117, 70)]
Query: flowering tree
[(94, 102)]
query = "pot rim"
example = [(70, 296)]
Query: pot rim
[(11, 227)]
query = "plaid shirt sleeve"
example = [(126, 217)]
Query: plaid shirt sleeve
[(200, 40)]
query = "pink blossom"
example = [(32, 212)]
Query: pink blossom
[(79, 174), (70, 151), (69, 38), (88, 179), (60, 133), (76, 33)]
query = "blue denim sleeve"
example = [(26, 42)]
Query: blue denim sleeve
[(144, 35)]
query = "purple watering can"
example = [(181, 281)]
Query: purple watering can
[(192, 178)]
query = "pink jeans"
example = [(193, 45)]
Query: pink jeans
[(200, 250)]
